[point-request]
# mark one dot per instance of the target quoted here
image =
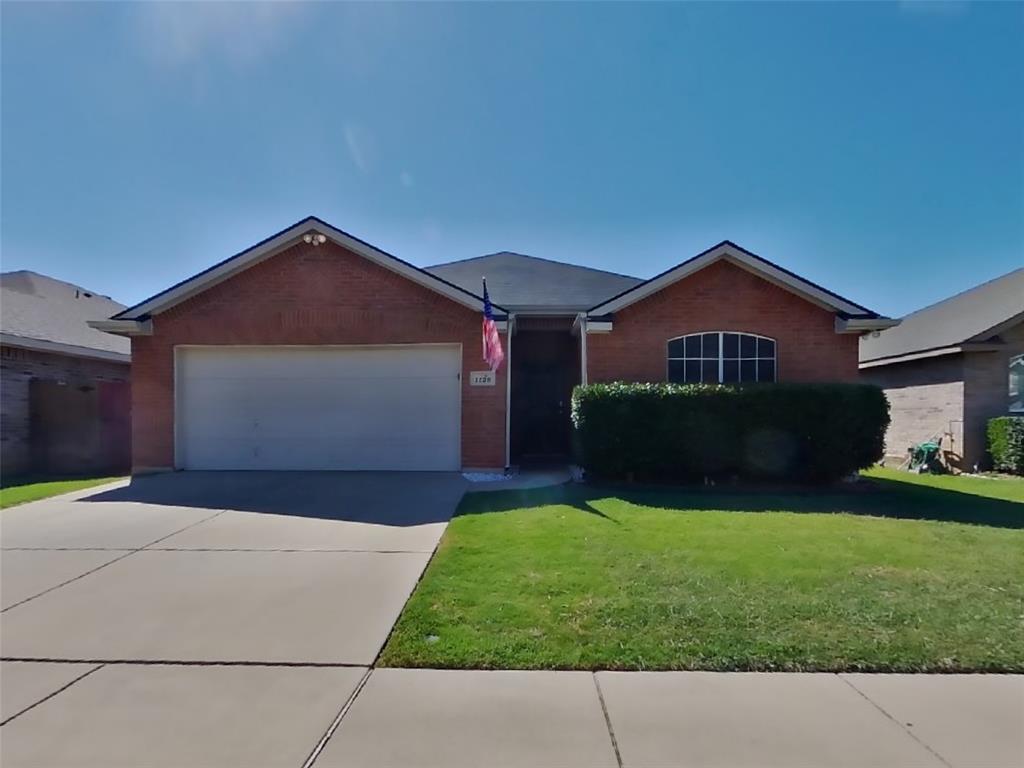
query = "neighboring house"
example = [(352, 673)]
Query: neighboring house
[(949, 368), (315, 350), (63, 385)]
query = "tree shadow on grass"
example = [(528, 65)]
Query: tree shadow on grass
[(876, 497), (573, 495)]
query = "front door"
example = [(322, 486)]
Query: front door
[(545, 368)]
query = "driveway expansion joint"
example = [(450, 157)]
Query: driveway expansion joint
[(127, 553), (338, 718), (294, 551), (902, 727), (67, 549), (50, 695), (607, 719), (187, 662)]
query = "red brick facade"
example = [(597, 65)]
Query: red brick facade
[(311, 295), (723, 297)]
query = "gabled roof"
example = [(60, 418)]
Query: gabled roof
[(525, 283), (972, 317), (50, 315), (277, 243), (741, 257)]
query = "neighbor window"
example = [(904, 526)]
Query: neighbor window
[(1017, 384), (721, 357)]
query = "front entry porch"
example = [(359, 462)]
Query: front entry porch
[(545, 367)]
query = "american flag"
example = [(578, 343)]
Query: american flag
[(493, 353)]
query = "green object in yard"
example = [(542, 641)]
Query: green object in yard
[(924, 457)]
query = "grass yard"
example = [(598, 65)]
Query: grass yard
[(27, 489), (920, 573)]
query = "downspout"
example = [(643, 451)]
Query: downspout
[(583, 347), (509, 326)]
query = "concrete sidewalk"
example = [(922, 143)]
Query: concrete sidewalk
[(126, 715)]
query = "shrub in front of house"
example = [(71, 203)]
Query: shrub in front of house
[(1006, 443), (814, 433)]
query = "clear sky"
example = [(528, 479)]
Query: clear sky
[(876, 148)]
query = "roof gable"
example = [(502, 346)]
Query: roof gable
[(281, 241), (729, 251), (525, 283), (972, 316)]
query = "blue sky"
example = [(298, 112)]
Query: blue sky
[(876, 148)]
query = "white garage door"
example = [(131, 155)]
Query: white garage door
[(394, 407)]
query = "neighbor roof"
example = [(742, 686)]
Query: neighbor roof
[(519, 282), (40, 312), (974, 316)]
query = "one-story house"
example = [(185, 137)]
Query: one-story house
[(950, 367), (315, 350), (64, 387)]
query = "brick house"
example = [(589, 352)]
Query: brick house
[(950, 367), (64, 387), (315, 350)]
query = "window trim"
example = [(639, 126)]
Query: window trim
[(721, 354), (1009, 392)]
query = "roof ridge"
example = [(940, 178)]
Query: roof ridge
[(535, 258), (51, 278), (962, 293)]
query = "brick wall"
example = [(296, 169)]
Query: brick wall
[(17, 368), (311, 295), (986, 392), (723, 297), (926, 400)]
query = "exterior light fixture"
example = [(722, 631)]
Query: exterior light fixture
[(314, 238)]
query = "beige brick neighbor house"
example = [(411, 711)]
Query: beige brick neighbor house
[(949, 368)]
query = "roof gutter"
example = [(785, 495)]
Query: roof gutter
[(123, 327), (864, 324), (955, 349), (59, 348)]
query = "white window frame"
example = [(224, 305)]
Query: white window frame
[(721, 355), (1014, 395)]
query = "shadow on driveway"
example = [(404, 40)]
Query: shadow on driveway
[(386, 498)]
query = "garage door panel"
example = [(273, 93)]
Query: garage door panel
[(319, 408)]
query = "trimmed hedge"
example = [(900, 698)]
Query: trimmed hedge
[(1006, 443), (814, 433)]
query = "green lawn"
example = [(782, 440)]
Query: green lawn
[(26, 489), (916, 573)]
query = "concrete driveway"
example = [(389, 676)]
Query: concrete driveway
[(236, 611)]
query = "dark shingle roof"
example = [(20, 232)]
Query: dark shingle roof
[(516, 281), (968, 316), (37, 307)]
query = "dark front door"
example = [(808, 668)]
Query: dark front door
[(545, 368)]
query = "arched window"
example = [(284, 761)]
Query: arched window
[(721, 357), (1017, 384)]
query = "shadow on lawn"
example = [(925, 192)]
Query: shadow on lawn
[(876, 497)]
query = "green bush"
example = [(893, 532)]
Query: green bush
[(682, 432), (1006, 443)]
